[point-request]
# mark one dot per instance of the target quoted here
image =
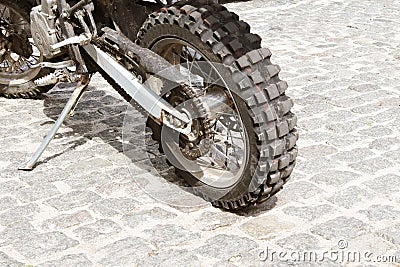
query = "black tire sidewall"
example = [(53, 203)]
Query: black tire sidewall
[(241, 187)]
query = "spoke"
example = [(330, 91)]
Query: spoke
[(187, 62), (19, 24), (223, 137), (208, 87), (2, 12), (209, 75), (193, 60), (197, 67)]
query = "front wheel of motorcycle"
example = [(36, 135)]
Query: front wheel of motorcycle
[(18, 53), (253, 145)]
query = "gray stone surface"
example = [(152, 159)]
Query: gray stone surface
[(134, 219), (7, 203), (17, 232), (310, 213), (351, 196), (78, 260), (19, 213), (96, 200), (67, 220), (340, 227), (173, 257), (170, 235), (43, 245), (5, 260), (300, 241), (225, 246), (114, 206), (124, 252), (381, 212), (392, 234), (101, 229), (72, 200)]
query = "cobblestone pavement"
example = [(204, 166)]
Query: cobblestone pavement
[(85, 207)]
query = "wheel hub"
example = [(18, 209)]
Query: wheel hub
[(191, 145)]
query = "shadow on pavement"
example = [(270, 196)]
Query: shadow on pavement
[(101, 114)]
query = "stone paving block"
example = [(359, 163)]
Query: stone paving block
[(354, 155), (317, 151), (209, 221), (88, 180), (224, 246), (10, 187), (16, 232), (362, 88), (300, 242), (249, 259), (310, 213), (72, 200), (67, 220), (33, 193), (114, 206), (350, 196), (19, 213), (340, 228), (385, 143), (170, 235), (386, 185), (316, 165), (90, 165), (369, 243), (125, 252), (263, 227), (376, 131), (299, 191), (344, 128), (391, 234), (40, 177), (43, 245), (6, 260), (381, 212), (334, 177), (172, 258), (156, 214), (372, 166), (7, 203), (393, 155), (100, 229), (78, 260)]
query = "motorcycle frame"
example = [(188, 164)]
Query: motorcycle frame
[(149, 100)]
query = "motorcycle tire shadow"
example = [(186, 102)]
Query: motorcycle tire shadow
[(103, 113)]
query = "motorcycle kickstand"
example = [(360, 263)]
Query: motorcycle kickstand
[(71, 104)]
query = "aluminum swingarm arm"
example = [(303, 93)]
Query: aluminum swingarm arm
[(144, 96)]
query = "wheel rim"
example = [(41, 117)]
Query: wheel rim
[(16, 69), (223, 166)]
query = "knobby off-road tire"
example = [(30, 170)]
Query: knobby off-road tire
[(27, 89), (265, 109)]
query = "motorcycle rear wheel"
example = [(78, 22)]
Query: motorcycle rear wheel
[(254, 86)]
